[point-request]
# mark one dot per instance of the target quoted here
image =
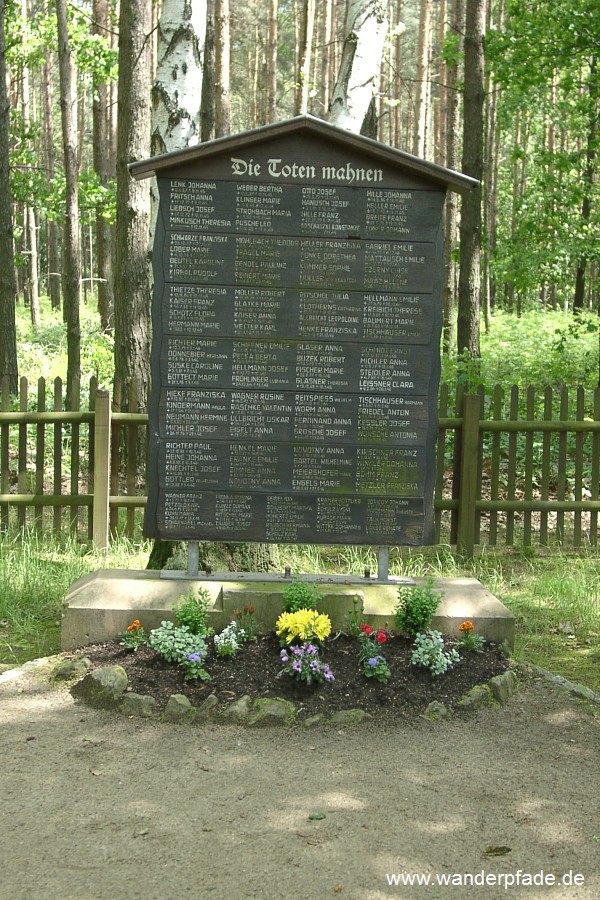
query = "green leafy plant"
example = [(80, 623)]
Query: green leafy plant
[(300, 595), (246, 622), (303, 663), (429, 652), (178, 644), (373, 663), (228, 642), (303, 625), (468, 640), (354, 617), (134, 636), (415, 608), (192, 612)]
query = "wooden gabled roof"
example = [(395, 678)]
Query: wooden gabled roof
[(309, 125)]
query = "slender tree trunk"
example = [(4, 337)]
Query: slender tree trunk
[(423, 70), (366, 28), (72, 239), (307, 25), (593, 88), (132, 296), (29, 221), (52, 243), (101, 148), (469, 282), (207, 115), (222, 63), (452, 110), (8, 287), (271, 65)]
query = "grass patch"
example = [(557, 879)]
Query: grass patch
[(35, 574)]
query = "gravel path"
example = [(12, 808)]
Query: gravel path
[(99, 807)]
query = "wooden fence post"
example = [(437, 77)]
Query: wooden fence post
[(467, 512), (101, 470)]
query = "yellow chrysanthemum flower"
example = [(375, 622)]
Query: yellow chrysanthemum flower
[(304, 625)]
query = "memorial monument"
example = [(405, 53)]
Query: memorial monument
[(296, 329), (295, 367)]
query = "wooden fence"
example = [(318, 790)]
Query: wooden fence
[(517, 469)]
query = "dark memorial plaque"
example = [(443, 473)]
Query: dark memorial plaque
[(296, 322)]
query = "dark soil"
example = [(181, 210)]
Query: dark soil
[(255, 670)]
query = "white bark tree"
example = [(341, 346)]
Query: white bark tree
[(177, 89), (366, 29)]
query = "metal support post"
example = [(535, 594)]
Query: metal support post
[(193, 558), (383, 563)]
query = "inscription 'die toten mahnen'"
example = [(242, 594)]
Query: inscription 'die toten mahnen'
[(297, 311)]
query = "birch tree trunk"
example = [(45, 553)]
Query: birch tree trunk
[(366, 28), (177, 89), (8, 287), (71, 276)]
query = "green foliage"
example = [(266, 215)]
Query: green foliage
[(542, 229), (429, 652), (192, 612), (134, 636), (354, 617), (469, 642), (539, 347), (246, 622), (415, 608), (300, 595), (178, 644), (372, 661)]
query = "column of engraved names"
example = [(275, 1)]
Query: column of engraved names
[(387, 212), (193, 204), (263, 208), (327, 211)]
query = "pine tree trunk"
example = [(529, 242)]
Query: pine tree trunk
[(132, 296), (71, 277), (305, 36), (422, 102), (207, 114), (222, 63), (271, 65), (8, 288), (101, 148), (452, 160), (469, 282)]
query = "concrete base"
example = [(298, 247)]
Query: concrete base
[(101, 605)]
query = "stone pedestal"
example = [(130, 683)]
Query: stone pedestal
[(101, 605)]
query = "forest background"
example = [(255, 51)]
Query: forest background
[(504, 90)]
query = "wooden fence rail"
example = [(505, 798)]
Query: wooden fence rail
[(510, 468)]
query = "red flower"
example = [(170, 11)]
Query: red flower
[(366, 629), (381, 637)]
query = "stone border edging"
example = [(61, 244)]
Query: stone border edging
[(106, 688), (579, 690)]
